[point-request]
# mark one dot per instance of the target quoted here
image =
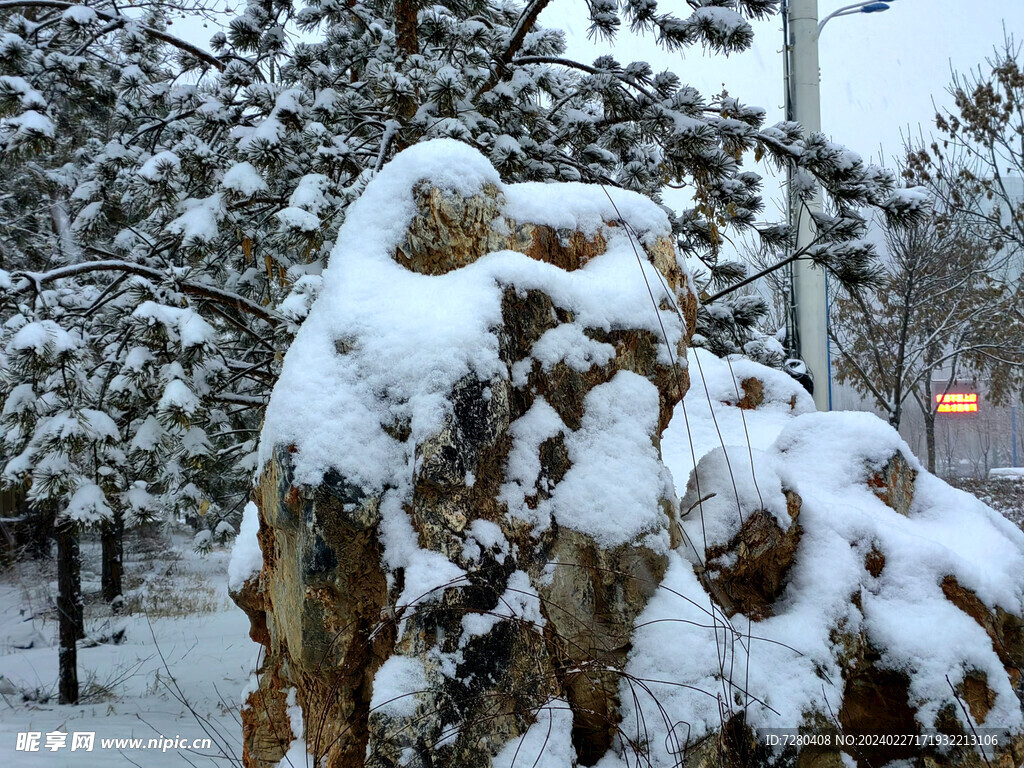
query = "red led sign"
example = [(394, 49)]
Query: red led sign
[(957, 402)]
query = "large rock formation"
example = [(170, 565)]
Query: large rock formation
[(473, 555), (424, 616)]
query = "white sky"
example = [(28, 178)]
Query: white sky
[(879, 72)]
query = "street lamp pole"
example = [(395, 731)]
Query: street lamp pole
[(808, 283), (803, 105)]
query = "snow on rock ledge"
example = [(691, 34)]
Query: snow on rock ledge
[(462, 507)]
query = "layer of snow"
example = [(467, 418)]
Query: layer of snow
[(160, 165), (148, 435), (178, 396), (309, 194), (132, 688), (546, 744), (20, 399), (244, 179), (523, 468), (88, 505), (519, 602), (396, 684), (612, 489), (296, 218), (181, 323), (139, 502), (383, 345), (483, 535), (199, 221), (427, 573), (706, 419), (431, 331), (723, 21), (746, 482), (42, 337), (31, 123), (99, 426), (1006, 473), (30, 98), (246, 556), (568, 343), (79, 15), (297, 753), (826, 459), (572, 205)]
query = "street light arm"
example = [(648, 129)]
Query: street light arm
[(840, 11), (845, 11), (838, 14)]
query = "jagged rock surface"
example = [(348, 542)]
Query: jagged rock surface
[(329, 611), (505, 623)]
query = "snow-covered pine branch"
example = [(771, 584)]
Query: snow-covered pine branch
[(178, 226)]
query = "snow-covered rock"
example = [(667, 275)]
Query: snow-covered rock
[(859, 595), (462, 496), (471, 550)]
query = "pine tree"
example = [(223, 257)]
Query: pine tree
[(170, 209)]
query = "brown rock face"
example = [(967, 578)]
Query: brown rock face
[(323, 590), (753, 394), (894, 484), (1004, 629), (327, 609), (761, 555)]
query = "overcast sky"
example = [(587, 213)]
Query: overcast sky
[(879, 72)]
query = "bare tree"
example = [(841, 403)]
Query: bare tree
[(975, 164), (938, 308)]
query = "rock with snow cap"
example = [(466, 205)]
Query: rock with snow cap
[(462, 507), (472, 549)]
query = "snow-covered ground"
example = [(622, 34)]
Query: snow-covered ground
[(1007, 473), (178, 673)]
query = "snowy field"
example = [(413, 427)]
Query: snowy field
[(178, 673)]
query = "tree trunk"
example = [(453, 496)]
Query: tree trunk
[(36, 529), (407, 38), (896, 415), (406, 33), (929, 425), (69, 609), (112, 541)]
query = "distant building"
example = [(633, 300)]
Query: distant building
[(1014, 186)]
